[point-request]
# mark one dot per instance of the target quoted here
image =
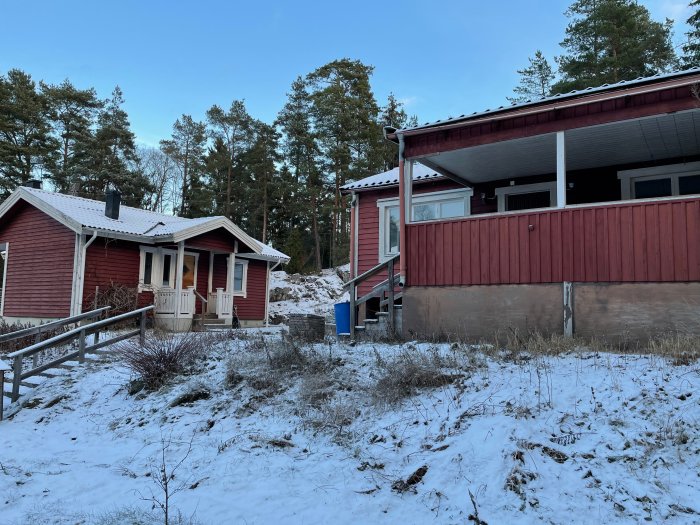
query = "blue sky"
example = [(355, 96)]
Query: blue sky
[(442, 58)]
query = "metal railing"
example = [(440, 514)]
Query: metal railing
[(385, 290)]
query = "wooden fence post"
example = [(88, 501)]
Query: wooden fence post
[(391, 297), (2, 391), (142, 333), (81, 346), (16, 377)]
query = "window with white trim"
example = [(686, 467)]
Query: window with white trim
[(660, 181), (240, 278), (433, 206), (527, 196)]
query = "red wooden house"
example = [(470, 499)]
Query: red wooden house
[(578, 213), (59, 249)]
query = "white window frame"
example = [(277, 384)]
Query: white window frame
[(6, 249), (435, 197), (157, 267), (244, 284), (669, 171), (518, 189)]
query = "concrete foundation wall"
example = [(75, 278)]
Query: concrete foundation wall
[(614, 312), (478, 312), (635, 311)]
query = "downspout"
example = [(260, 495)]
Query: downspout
[(81, 274), (267, 292), (402, 213)]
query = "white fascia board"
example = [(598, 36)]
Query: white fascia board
[(216, 222), (261, 257), (49, 210)]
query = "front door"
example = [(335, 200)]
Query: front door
[(188, 271)]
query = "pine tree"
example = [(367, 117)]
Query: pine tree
[(691, 49), (345, 119), (304, 178), (261, 160), (186, 149), (72, 113), (26, 144), (535, 80), (612, 40), (234, 129), (108, 158), (392, 115)]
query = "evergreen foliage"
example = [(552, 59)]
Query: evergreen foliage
[(535, 80), (691, 49), (612, 40)]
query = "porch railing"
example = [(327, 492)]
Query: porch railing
[(385, 291), (166, 301), (221, 304)]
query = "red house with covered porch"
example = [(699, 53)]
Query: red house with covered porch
[(59, 250), (575, 214)]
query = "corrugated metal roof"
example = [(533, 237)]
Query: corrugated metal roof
[(132, 221), (560, 96), (391, 178)]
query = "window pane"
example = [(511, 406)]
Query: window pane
[(526, 201), (689, 185), (166, 269), (238, 277), (425, 212), (148, 268), (646, 189), (453, 208), (393, 238), (188, 269)]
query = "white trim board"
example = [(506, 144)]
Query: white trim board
[(672, 171)]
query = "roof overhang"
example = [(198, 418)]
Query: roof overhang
[(641, 140), (23, 195)]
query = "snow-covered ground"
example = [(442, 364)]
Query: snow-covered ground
[(306, 294), (579, 438)]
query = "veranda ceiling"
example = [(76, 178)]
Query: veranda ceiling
[(647, 139)]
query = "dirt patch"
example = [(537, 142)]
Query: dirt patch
[(408, 484)]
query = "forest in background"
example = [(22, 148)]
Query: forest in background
[(281, 181)]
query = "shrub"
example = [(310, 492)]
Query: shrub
[(162, 357)]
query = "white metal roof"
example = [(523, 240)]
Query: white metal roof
[(87, 215), (391, 178), (559, 96)]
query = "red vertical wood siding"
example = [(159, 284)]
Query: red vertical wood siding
[(39, 266), (631, 242)]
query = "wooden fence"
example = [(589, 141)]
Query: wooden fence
[(80, 334)]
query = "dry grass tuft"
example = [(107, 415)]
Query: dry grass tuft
[(410, 370), (680, 349)]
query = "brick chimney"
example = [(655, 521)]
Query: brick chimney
[(112, 201)]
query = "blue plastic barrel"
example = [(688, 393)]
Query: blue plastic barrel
[(342, 318)]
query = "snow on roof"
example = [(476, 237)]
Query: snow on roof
[(559, 96), (391, 178), (90, 214)]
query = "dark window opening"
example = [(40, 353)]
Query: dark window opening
[(148, 268), (647, 189), (689, 185), (526, 201)]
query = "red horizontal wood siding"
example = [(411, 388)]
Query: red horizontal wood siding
[(216, 240), (252, 307), (39, 265), (109, 262), (631, 242)]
